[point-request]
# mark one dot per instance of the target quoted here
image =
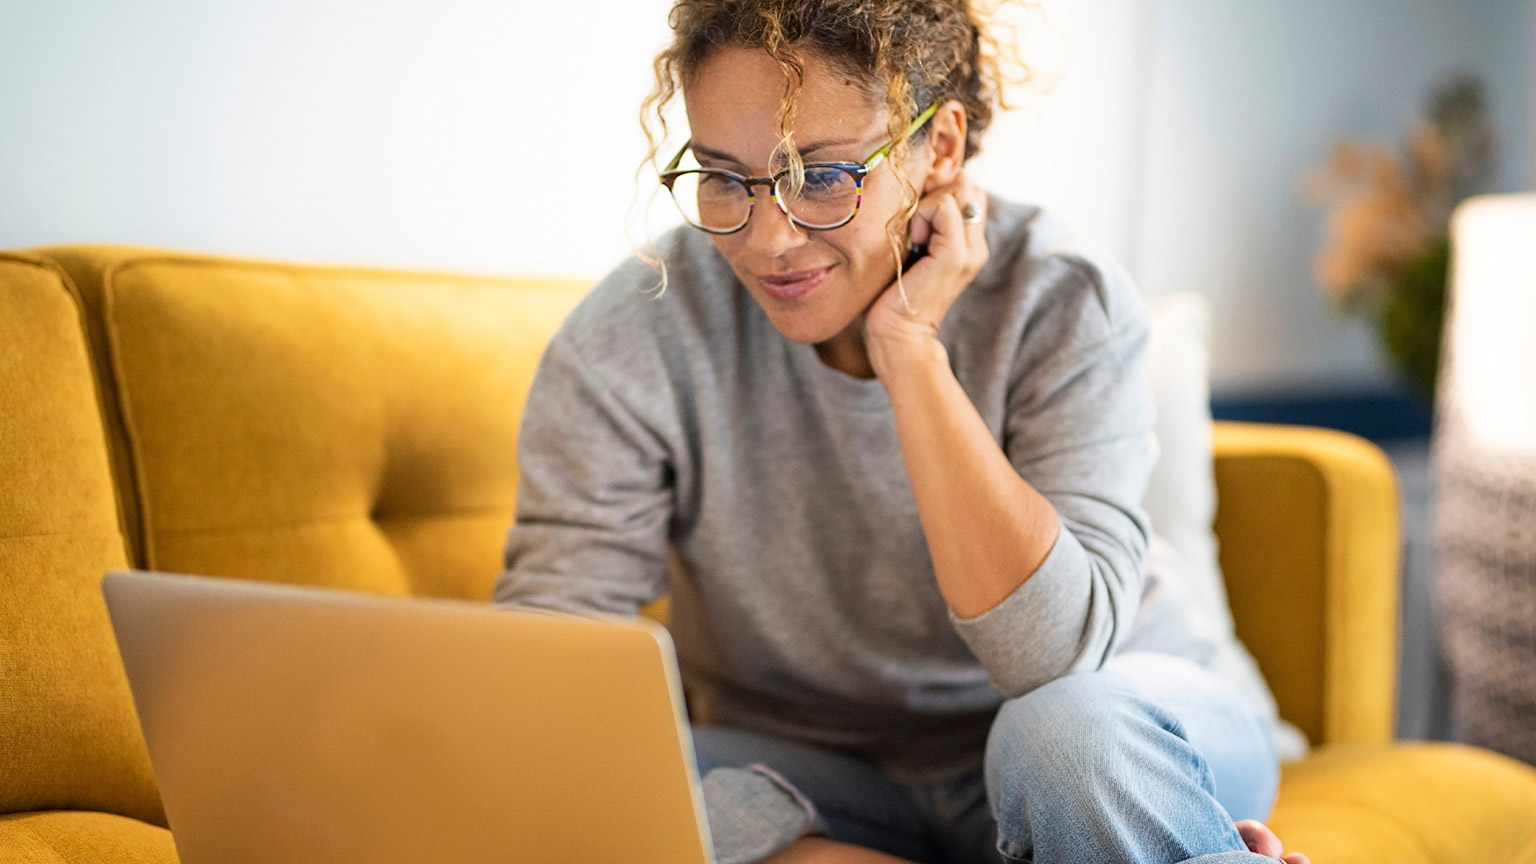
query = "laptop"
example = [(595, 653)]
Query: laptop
[(296, 725)]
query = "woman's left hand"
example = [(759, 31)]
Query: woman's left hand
[(957, 249)]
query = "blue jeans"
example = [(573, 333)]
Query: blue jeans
[(1149, 759)]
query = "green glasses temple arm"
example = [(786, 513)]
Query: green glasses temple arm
[(917, 123)]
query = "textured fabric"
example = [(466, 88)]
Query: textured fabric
[(1484, 458), (82, 838), (1148, 760), (348, 428), (68, 733), (1308, 528), (806, 602)]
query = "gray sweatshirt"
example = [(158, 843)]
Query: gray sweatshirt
[(680, 443)]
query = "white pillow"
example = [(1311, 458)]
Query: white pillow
[(1181, 494)]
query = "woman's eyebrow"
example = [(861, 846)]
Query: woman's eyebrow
[(822, 145), (700, 150)]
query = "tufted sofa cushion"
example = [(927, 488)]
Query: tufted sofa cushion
[(61, 837), (346, 428), (1410, 803), (69, 737)]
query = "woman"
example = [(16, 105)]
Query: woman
[(910, 583)]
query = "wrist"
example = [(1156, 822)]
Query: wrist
[(913, 354)]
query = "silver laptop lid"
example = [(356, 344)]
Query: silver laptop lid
[(305, 725)]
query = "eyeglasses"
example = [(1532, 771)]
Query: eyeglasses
[(829, 194)]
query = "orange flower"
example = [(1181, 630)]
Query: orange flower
[(1375, 223)]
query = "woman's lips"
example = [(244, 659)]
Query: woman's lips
[(793, 284)]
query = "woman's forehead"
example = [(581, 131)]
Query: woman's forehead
[(734, 98)]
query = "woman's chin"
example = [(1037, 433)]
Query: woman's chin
[(812, 319), (804, 330)]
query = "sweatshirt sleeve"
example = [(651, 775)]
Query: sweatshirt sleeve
[(594, 497), (1079, 429)]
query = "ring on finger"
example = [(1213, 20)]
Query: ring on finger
[(970, 212)]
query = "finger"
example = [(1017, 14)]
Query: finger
[(1295, 858), (948, 228), (976, 230), (973, 196), (921, 226), (961, 189), (928, 204), (1258, 838)]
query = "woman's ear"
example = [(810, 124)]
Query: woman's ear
[(946, 142)]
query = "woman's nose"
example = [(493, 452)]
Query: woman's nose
[(769, 230)]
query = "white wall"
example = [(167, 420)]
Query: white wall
[(460, 134), (455, 134), (502, 137)]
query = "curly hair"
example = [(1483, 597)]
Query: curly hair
[(908, 53)]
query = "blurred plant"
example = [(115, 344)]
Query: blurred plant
[(1386, 252)]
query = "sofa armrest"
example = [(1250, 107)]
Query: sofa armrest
[(1307, 521)]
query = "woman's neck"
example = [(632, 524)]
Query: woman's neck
[(845, 352)]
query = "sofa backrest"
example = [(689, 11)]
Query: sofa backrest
[(1308, 525), (69, 738), (340, 427)]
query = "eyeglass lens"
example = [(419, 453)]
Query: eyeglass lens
[(719, 202)]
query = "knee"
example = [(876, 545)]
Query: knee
[(1069, 736), (1068, 724)]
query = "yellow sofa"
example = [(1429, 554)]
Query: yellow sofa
[(358, 428)]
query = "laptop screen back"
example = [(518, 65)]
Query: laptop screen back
[(303, 725)]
